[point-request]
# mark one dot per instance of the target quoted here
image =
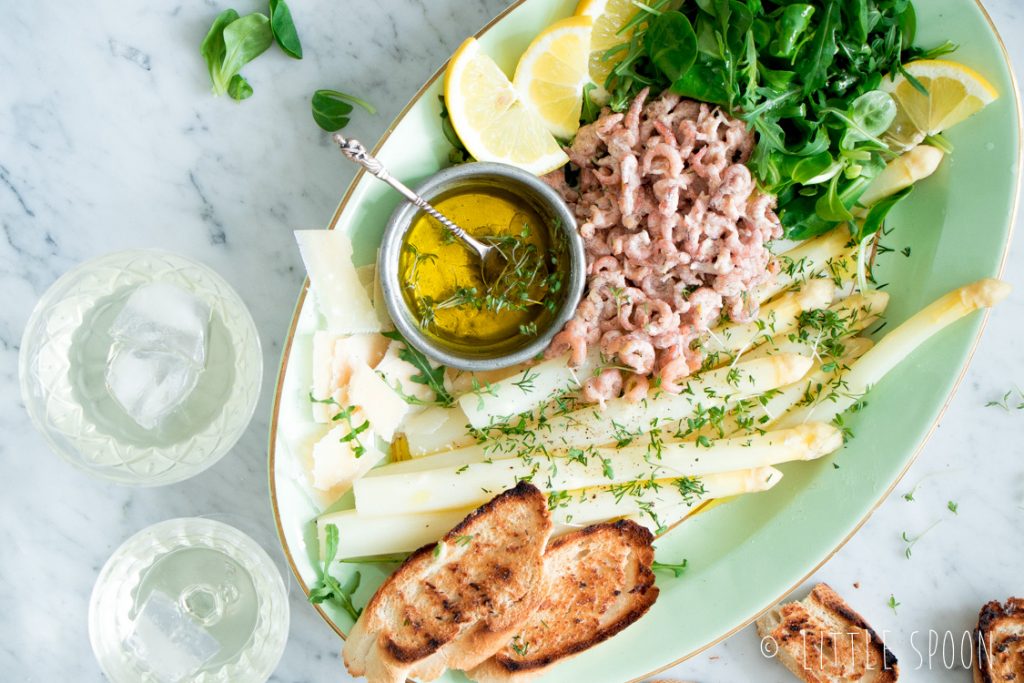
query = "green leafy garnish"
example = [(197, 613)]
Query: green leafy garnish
[(284, 28), (676, 569), (591, 110), (327, 588), (353, 430), (345, 414), (331, 108), (892, 603), (953, 507), (231, 43), (428, 375)]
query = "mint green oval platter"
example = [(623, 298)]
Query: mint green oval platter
[(746, 555)]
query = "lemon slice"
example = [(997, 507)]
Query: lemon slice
[(492, 121), (955, 92), (609, 17), (552, 72)]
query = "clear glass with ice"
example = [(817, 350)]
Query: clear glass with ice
[(190, 599), (141, 367)]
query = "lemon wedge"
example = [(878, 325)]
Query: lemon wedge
[(491, 119), (955, 92), (552, 72), (609, 17)]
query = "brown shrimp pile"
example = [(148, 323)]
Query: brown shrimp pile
[(675, 230)]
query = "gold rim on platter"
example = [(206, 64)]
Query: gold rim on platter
[(286, 351)]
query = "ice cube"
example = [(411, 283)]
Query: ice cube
[(149, 385), (158, 351), (165, 317), (173, 645)]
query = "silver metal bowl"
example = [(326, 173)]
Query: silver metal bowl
[(510, 179)]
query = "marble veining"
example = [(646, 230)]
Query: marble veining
[(110, 139)]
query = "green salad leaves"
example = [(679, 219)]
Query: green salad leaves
[(331, 108), (233, 41), (804, 76)]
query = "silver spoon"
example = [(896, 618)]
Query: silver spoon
[(492, 260)]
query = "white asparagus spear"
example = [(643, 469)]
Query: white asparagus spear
[(527, 390), (898, 344), (762, 413), (854, 314), (822, 254), (777, 318), (591, 427), (360, 536), (657, 507), (469, 485), (902, 172)]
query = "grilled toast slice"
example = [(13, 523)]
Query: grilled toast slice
[(822, 640), (597, 581), (999, 642), (454, 603)]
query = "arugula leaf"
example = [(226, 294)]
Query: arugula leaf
[(283, 26), (591, 110), (329, 589), (331, 108), (878, 212), (428, 375), (815, 60)]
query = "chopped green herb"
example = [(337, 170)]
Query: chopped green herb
[(953, 507), (892, 603), (519, 646), (911, 542)]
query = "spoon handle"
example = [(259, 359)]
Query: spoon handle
[(355, 151)]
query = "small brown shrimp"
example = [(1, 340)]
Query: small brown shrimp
[(673, 375), (572, 339), (637, 353), (636, 388), (607, 385), (657, 318)]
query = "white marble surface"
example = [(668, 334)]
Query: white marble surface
[(109, 139)]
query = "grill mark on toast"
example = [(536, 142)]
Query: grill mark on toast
[(638, 552)]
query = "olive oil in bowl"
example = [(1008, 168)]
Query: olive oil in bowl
[(441, 279), (433, 284)]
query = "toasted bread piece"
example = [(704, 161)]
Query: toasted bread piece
[(822, 640), (454, 603), (597, 581), (999, 642)]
